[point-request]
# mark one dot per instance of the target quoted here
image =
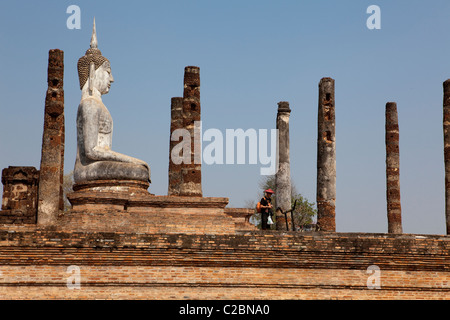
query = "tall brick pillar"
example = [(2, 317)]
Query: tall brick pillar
[(191, 181), (283, 175), (446, 121), (394, 208), (50, 197), (176, 122), (326, 157)]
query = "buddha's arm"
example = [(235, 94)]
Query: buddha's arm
[(111, 155), (93, 150)]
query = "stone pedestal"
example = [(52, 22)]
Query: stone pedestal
[(117, 186), (100, 195)]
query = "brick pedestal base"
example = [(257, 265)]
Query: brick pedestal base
[(128, 207)]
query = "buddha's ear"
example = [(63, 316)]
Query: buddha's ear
[(91, 77)]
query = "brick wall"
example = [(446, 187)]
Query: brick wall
[(144, 282), (247, 265)]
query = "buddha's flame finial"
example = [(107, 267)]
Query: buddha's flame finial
[(94, 43), (92, 56)]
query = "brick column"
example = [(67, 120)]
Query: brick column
[(326, 157), (176, 122), (394, 208), (446, 121), (50, 198), (283, 175), (191, 181)]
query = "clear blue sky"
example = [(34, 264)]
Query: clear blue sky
[(251, 54)]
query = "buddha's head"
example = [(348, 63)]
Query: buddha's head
[(102, 78), (94, 70)]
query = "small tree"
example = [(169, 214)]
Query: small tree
[(304, 212)]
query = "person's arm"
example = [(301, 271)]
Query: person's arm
[(267, 206)]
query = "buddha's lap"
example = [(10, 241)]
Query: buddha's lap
[(110, 170)]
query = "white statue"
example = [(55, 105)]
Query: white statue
[(95, 159)]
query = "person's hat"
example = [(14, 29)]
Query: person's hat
[(269, 191)]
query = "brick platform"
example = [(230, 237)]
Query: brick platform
[(145, 213)]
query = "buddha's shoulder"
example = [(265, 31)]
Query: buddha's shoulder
[(90, 104)]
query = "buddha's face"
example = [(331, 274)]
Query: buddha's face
[(103, 78)]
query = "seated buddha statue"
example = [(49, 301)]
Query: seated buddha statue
[(95, 159)]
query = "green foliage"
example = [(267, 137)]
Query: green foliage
[(304, 211)]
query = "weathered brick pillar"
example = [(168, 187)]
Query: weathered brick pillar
[(283, 175), (394, 208), (326, 157), (447, 152), (50, 198), (191, 184), (20, 192), (176, 122)]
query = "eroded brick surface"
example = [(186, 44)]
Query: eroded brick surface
[(50, 199), (20, 192), (394, 212), (446, 120), (185, 179), (326, 157)]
